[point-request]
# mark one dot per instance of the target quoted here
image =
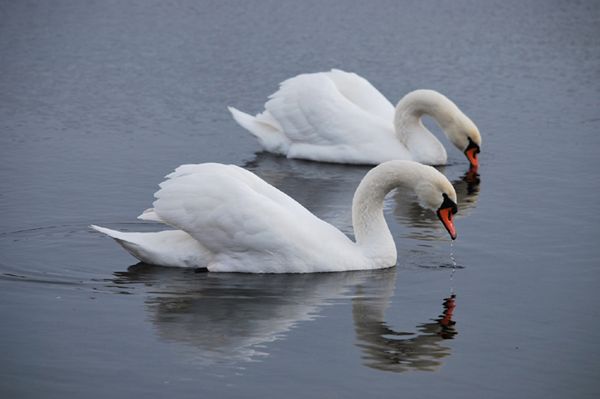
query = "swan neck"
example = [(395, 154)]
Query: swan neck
[(371, 231), (411, 108)]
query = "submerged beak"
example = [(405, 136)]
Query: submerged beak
[(471, 153), (445, 213)]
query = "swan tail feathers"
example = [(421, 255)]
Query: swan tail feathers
[(129, 241), (265, 128), (109, 232), (151, 215), (166, 248)]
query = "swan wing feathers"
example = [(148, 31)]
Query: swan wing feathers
[(230, 210), (311, 110), (362, 93)]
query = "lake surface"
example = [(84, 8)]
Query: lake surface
[(100, 100)]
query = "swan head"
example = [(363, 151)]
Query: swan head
[(463, 133), (438, 195), (431, 188), (445, 213)]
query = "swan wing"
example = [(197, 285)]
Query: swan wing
[(312, 111), (362, 93), (246, 223)]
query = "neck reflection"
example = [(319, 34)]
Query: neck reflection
[(386, 349)]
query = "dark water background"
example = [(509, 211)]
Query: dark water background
[(99, 100)]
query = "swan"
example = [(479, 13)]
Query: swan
[(340, 117), (227, 219)]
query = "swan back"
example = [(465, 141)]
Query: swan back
[(247, 224), (323, 119), (362, 93)]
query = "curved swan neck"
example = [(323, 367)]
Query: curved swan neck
[(417, 103), (370, 228), (421, 143)]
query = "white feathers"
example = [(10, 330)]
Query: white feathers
[(228, 219), (266, 129), (340, 117), (362, 93), (171, 247), (316, 120)]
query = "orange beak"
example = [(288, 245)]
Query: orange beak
[(471, 153), (445, 215), (445, 212)]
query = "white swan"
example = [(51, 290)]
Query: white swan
[(340, 117), (230, 220)]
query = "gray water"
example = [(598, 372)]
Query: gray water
[(99, 100)]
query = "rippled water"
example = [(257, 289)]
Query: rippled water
[(99, 100)]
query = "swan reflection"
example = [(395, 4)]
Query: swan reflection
[(327, 190), (386, 349), (231, 318)]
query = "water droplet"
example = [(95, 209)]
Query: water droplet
[(453, 259)]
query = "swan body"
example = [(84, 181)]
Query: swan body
[(340, 117), (227, 219)]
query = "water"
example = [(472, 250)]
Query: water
[(101, 99)]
